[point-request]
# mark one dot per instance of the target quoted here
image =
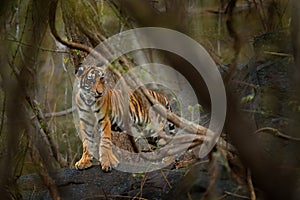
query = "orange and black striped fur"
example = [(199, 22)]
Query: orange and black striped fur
[(96, 101)]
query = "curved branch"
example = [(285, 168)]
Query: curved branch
[(276, 132), (52, 17), (72, 45)]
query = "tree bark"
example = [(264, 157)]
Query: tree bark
[(82, 27)]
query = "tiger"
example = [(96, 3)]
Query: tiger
[(96, 100)]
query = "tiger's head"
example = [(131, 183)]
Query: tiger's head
[(91, 82)]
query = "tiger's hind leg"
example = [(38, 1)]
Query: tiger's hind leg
[(107, 158)]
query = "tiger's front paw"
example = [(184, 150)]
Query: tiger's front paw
[(108, 161), (83, 163)]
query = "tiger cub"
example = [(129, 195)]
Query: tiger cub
[(94, 100)]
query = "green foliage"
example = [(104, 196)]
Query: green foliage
[(294, 105), (66, 60), (77, 52), (195, 110), (138, 175), (195, 107), (121, 68), (247, 98)]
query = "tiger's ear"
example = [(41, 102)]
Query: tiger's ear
[(80, 70)]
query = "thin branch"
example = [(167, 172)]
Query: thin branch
[(278, 54), (72, 163), (236, 195), (140, 193), (166, 179), (69, 148), (42, 123), (277, 133), (105, 195), (263, 13), (42, 171), (174, 149), (20, 38), (233, 34), (261, 17), (113, 197), (38, 155), (3, 112), (41, 48), (213, 177), (185, 143), (114, 7), (250, 185), (60, 113), (284, 11)]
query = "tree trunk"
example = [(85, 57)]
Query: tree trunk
[(82, 27)]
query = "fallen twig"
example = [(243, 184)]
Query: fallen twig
[(165, 177), (236, 195), (276, 132), (140, 193), (278, 54), (113, 196)]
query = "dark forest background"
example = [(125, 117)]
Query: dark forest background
[(255, 44)]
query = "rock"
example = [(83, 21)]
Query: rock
[(95, 184)]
